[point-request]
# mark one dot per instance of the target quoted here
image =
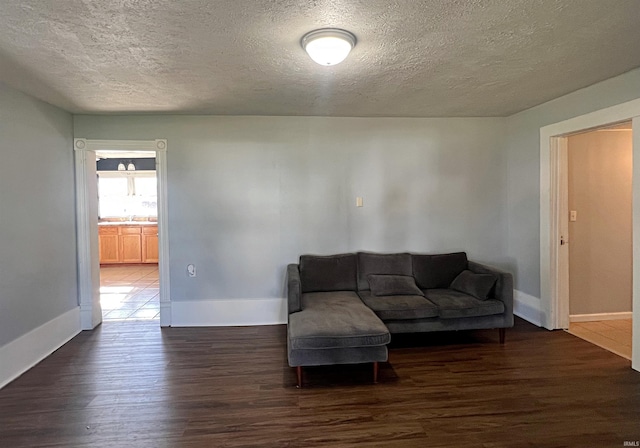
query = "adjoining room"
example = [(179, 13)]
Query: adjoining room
[(600, 236), (128, 235)]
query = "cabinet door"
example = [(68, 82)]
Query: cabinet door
[(108, 245), (150, 244), (131, 244)]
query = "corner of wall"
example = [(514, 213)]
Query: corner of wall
[(527, 307)]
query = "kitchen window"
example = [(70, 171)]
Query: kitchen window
[(127, 194)]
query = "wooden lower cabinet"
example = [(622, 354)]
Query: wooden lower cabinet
[(131, 244), (150, 244), (128, 244), (109, 246)]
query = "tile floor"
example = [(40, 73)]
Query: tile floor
[(613, 335), (129, 293)]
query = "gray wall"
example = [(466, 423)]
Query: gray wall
[(37, 218), (523, 155), (247, 195)]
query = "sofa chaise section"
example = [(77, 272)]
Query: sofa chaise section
[(327, 322)]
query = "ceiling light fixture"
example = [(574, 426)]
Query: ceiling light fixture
[(328, 46)]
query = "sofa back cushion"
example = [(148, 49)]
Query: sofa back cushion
[(389, 264), (328, 273), (438, 271)]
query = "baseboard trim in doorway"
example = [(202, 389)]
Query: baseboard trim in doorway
[(23, 353), (600, 316)]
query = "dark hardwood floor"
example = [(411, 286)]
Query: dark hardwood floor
[(134, 385)]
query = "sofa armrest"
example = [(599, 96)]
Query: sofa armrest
[(503, 290), (294, 289)]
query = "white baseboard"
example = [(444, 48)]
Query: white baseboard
[(527, 307), (228, 312), (165, 314), (21, 354), (600, 316)]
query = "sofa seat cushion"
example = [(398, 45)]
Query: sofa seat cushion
[(453, 304), (335, 319), (399, 307)]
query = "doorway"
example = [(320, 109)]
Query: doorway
[(554, 307), (136, 243), (599, 236), (128, 236)]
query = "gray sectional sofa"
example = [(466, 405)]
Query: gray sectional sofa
[(342, 309)]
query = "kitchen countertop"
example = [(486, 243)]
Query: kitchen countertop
[(128, 223)]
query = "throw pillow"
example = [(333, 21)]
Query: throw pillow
[(393, 285), (382, 264), (476, 285)]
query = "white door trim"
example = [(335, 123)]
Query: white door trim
[(88, 262), (559, 231), (553, 311), (88, 269)]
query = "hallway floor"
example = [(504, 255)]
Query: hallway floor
[(129, 293), (613, 335)]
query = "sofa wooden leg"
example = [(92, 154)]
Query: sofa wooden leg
[(299, 372), (375, 372), (502, 332)]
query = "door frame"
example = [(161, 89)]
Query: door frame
[(87, 239), (554, 272), (559, 284)]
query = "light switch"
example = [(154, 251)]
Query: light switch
[(573, 215), (358, 201)]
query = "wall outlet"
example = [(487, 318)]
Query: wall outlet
[(191, 270), (358, 201)]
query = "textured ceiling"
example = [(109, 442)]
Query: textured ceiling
[(413, 58)]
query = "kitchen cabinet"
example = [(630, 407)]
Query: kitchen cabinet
[(150, 244), (109, 252), (129, 243)]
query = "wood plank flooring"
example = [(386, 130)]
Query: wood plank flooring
[(136, 385), (613, 335)]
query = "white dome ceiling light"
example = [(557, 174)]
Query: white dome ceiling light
[(328, 46)]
